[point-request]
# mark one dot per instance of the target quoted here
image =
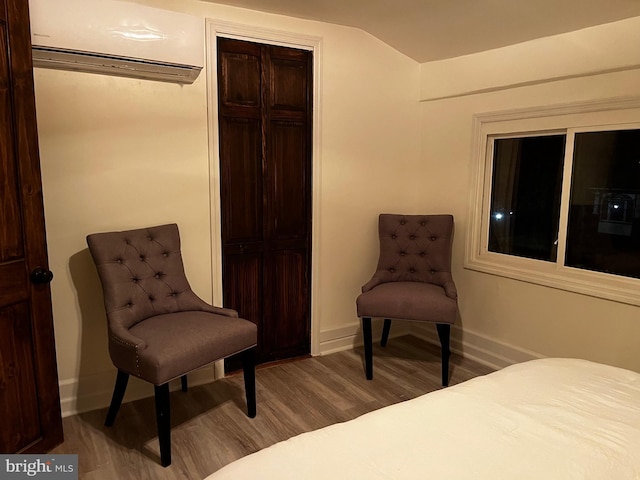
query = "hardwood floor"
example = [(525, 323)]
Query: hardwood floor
[(210, 427)]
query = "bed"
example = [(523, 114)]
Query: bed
[(543, 419)]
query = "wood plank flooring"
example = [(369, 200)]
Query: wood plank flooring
[(210, 427)]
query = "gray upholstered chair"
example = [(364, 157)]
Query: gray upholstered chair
[(412, 281), (159, 330)]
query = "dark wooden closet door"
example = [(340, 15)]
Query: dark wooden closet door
[(29, 397), (265, 129)]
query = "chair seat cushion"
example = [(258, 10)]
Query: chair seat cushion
[(408, 301), (178, 343)]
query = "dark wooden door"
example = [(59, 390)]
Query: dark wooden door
[(265, 111), (29, 396)]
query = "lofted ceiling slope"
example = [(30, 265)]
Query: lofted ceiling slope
[(428, 30)]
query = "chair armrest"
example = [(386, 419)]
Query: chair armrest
[(123, 336), (124, 349), (450, 290), (198, 304), (227, 312), (377, 279), (449, 287)]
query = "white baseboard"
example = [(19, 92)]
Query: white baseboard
[(475, 346), (92, 392), (478, 347), (344, 338)]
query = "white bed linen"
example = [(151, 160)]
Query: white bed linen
[(543, 420)]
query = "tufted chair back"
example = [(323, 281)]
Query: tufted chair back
[(142, 274), (415, 248)]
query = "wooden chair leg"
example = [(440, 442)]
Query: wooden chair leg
[(444, 333), (184, 383), (163, 419), (116, 400), (249, 371), (368, 347), (385, 332)]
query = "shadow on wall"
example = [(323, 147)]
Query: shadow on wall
[(96, 374), (93, 331)]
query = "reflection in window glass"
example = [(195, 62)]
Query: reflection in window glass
[(604, 215), (525, 196)]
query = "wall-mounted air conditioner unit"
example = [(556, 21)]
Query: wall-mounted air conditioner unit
[(117, 38)]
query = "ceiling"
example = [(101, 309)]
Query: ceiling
[(427, 30)]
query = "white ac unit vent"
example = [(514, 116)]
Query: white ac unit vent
[(113, 37)]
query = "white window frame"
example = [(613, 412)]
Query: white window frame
[(609, 114)]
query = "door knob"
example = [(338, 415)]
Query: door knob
[(40, 275)]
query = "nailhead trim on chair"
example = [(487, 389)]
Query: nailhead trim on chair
[(130, 345)]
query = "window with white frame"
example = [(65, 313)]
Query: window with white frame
[(557, 197)]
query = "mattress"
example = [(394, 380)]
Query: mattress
[(544, 419)]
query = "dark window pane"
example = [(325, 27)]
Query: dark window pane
[(604, 215), (525, 196)]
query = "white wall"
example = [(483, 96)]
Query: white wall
[(500, 316), (121, 153)]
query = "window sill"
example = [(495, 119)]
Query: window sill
[(594, 284)]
